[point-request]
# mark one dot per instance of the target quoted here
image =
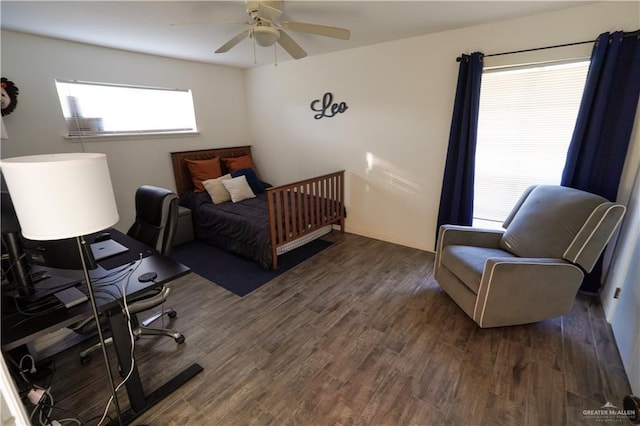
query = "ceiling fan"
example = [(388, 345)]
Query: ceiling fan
[(267, 29)]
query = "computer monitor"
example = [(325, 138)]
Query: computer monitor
[(60, 254), (22, 254)]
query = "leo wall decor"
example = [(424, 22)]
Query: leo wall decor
[(328, 108)]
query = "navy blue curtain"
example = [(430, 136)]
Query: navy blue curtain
[(456, 200), (601, 137)]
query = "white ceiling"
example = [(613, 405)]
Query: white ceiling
[(146, 26)]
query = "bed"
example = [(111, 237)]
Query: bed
[(277, 220)]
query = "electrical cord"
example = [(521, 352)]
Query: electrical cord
[(33, 309), (99, 417), (127, 314), (77, 419), (33, 364), (115, 277), (12, 264), (44, 416), (37, 395), (31, 316), (71, 419), (100, 286), (44, 406)]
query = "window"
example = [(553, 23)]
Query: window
[(527, 116), (93, 109)]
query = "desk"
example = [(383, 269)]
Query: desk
[(167, 269)]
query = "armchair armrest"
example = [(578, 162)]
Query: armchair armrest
[(466, 236), (525, 290), (469, 236)]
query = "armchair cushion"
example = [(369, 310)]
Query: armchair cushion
[(467, 262), (468, 236), (547, 221)]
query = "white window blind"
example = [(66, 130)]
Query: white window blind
[(107, 109), (526, 120)]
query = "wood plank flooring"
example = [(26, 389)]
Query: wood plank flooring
[(361, 334)]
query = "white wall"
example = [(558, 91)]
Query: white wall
[(392, 140), (37, 126)]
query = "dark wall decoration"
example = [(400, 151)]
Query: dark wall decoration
[(9, 98), (328, 108)]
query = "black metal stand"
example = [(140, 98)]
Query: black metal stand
[(140, 402), (94, 307)]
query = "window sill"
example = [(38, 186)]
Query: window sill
[(122, 136)]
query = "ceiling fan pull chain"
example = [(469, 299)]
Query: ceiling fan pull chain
[(275, 55), (255, 60)]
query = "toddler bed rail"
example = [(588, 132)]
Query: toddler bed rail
[(301, 209)]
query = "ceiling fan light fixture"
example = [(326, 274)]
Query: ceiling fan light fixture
[(265, 36)]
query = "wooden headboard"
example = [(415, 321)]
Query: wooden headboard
[(181, 172)]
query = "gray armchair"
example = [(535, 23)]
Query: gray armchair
[(531, 270)]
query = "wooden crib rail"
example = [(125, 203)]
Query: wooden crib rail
[(299, 208)]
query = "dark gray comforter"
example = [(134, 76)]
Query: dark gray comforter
[(241, 228)]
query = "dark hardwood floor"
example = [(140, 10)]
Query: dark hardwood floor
[(361, 334)]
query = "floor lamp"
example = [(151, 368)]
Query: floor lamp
[(59, 196)]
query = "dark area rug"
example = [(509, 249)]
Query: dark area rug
[(237, 274)]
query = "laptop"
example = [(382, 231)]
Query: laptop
[(107, 248)]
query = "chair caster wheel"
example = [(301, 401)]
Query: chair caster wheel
[(84, 360), (172, 314), (180, 339)]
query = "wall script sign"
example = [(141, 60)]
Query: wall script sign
[(328, 108)]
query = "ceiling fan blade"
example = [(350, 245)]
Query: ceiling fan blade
[(177, 24), (322, 30), (291, 46), (208, 23), (231, 43), (268, 12)]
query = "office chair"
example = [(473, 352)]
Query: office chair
[(155, 225), (156, 218), (531, 270)]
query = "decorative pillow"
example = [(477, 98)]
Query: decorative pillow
[(201, 170), (236, 163), (252, 179), (238, 188), (216, 189)]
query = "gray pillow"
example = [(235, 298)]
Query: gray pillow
[(548, 220)]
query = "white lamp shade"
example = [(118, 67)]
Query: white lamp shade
[(60, 196)]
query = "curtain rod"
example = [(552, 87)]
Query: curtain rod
[(534, 49), (630, 34)]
